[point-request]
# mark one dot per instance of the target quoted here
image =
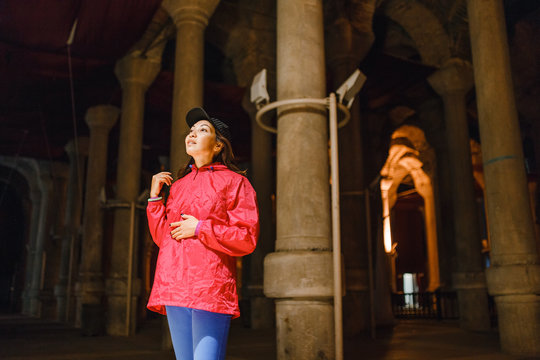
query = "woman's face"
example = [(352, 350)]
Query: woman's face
[(201, 140)]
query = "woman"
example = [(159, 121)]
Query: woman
[(210, 218)]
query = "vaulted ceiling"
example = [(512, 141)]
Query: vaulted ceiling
[(36, 118)]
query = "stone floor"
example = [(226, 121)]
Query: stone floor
[(27, 338)]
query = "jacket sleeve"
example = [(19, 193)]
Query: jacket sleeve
[(237, 234), (157, 219)]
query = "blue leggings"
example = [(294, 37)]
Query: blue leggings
[(198, 334)]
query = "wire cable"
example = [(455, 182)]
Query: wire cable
[(73, 112)]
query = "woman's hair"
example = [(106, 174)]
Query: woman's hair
[(225, 156)]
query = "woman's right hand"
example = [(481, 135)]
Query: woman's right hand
[(157, 182)]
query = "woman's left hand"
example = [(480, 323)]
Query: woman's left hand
[(184, 229)]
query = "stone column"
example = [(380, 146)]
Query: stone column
[(29, 169), (52, 249), (261, 307), (430, 220), (514, 275), (45, 187), (452, 82), (100, 120), (252, 48), (72, 220), (299, 274), (432, 112), (135, 75), (191, 18), (424, 186), (35, 197)]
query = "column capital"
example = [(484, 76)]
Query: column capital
[(101, 116), (455, 76), (82, 141), (194, 11), (345, 44), (137, 70)]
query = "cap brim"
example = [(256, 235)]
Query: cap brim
[(196, 114)]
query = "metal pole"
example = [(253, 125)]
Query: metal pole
[(336, 235), (130, 267)]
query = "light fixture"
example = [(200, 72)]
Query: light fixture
[(259, 93), (348, 90)]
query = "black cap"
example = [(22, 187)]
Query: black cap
[(197, 114)]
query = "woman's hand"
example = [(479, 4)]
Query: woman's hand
[(184, 229), (157, 182)]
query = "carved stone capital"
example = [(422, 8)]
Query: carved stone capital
[(191, 11), (455, 76), (137, 70), (82, 142), (102, 117), (345, 45)]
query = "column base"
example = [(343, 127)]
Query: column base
[(92, 320), (259, 308), (25, 308), (34, 303), (514, 281), (262, 312), (472, 300), (90, 313), (60, 293), (474, 309), (356, 303), (78, 305), (298, 274), (519, 324), (305, 329), (48, 305), (166, 340), (356, 319), (117, 306)]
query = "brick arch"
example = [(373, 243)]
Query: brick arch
[(429, 35)]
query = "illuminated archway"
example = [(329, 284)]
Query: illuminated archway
[(410, 155)]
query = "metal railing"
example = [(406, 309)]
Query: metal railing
[(437, 305)]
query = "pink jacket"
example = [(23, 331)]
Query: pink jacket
[(200, 272)]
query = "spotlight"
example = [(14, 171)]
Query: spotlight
[(259, 93), (348, 90)]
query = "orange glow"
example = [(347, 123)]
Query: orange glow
[(387, 235)]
